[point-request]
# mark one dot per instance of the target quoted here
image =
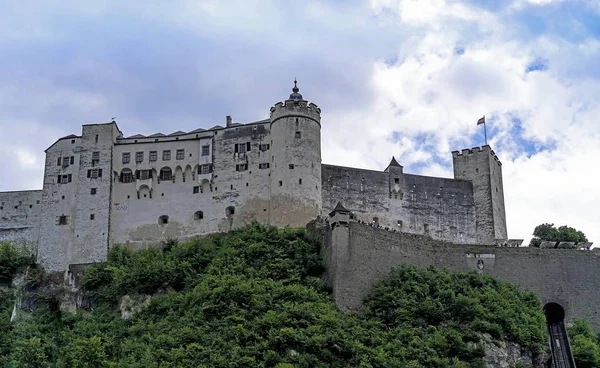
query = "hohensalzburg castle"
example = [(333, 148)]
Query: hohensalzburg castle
[(101, 188)]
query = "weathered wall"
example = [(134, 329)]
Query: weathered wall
[(295, 163), (565, 276), (481, 166), (440, 207), (20, 217)]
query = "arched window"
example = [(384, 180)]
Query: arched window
[(126, 176), (163, 220), (166, 173), (199, 215), (230, 211)]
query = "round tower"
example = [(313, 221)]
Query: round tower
[(295, 161)]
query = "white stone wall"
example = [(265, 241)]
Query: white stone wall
[(295, 163), (56, 241), (20, 213)]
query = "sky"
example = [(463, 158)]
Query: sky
[(408, 78)]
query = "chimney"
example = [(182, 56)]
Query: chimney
[(228, 120)]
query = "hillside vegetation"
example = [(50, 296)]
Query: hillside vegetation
[(254, 298)]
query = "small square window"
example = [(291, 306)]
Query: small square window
[(180, 154), (300, 181), (139, 157), (72, 141), (298, 135), (166, 155), (396, 180), (153, 155), (280, 182), (206, 150), (92, 216), (63, 220), (291, 166), (241, 167), (95, 156), (93, 191), (196, 190)]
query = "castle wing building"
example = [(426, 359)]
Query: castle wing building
[(101, 188)]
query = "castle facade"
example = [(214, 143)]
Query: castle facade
[(101, 188)]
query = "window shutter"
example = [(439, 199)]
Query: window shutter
[(137, 174), (89, 174), (70, 177), (99, 173), (72, 160), (236, 151), (121, 178), (58, 180), (210, 167), (248, 146), (149, 174)]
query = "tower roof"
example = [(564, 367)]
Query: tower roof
[(339, 208), (393, 163), (295, 92)]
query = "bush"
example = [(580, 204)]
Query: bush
[(12, 261)]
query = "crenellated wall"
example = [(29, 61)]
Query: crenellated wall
[(359, 256), (440, 207)]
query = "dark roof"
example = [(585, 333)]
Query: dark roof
[(179, 132), (394, 162), (69, 136), (198, 130), (295, 92), (157, 135), (137, 136), (339, 208)]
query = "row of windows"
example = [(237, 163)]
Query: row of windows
[(166, 155), (246, 147), (17, 206)]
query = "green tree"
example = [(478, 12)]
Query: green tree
[(547, 232), (29, 353), (13, 259), (584, 345)]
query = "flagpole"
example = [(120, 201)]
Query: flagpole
[(484, 130)]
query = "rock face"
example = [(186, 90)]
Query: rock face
[(501, 354), (129, 305)]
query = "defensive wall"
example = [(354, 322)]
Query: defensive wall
[(358, 256), (20, 213)]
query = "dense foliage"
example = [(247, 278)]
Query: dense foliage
[(255, 298), (550, 233), (585, 344), (13, 260)]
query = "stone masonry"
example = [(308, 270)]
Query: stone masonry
[(101, 188), (358, 256)]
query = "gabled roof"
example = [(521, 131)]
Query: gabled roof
[(198, 130), (137, 136), (157, 135), (179, 132), (69, 136), (216, 127)]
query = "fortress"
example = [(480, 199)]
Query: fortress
[(101, 188)]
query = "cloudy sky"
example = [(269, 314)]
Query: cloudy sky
[(407, 78)]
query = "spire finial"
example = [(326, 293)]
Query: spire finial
[(295, 95)]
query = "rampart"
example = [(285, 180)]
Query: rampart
[(358, 256)]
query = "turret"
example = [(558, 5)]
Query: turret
[(482, 167), (296, 161)]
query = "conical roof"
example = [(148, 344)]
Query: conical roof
[(339, 208)]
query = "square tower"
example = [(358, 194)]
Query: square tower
[(481, 166)]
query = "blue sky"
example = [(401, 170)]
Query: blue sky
[(393, 77)]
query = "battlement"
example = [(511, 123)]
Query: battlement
[(474, 150), (295, 108)]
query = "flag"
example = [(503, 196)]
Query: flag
[(481, 121)]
